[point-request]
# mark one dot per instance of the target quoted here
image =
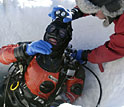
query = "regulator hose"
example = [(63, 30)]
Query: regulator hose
[(7, 83), (100, 86)]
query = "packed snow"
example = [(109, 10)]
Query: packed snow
[(26, 20), (68, 105)]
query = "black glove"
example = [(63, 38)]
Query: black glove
[(76, 13), (56, 103)]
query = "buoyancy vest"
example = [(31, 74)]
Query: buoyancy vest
[(42, 75), (37, 79)]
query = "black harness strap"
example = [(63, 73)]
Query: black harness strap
[(62, 79)]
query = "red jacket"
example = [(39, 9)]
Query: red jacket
[(35, 75), (112, 49)]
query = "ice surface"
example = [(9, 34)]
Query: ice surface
[(68, 105)]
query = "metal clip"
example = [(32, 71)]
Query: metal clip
[(14, 88)]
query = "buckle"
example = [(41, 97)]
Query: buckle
[(37, 98)]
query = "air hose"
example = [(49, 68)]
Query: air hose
[(100, 86), (7, 83)]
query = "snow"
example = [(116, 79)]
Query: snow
[(20, 20), (68, 105)]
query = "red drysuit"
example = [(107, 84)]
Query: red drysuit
[(35, 75)]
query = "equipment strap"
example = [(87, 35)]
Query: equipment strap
[(61, 81)]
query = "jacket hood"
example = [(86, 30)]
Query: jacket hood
[(112, 9)]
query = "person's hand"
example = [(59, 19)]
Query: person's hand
[(66, 19), (40, 46), (78, 56)]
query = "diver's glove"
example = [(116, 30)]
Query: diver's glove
[(40, 46), (75, 13), (68, 16)]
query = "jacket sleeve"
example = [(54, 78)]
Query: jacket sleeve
[(7, 54), (111, 50)]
